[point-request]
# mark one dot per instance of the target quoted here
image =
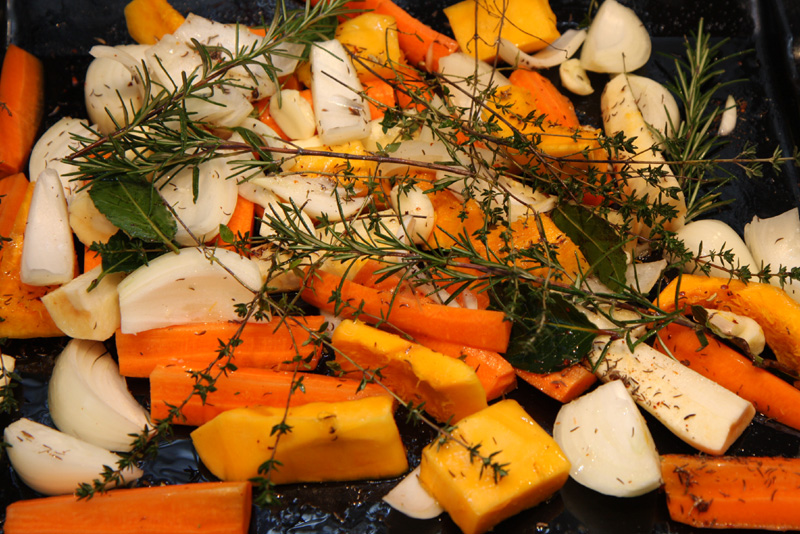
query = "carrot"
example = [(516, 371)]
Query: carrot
[(241, 221), (495, 373), (267, 345), (564, 385), (12, 193), (246, 388), (380, 96), (547, 100), (482, 329), (21, 108), (733, 492), (91, 259), (716, 361), (22, 314), (207, 508)]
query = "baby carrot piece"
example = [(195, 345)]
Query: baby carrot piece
[(21, 108), (547, 100), (267, 345), (207, 508), (246, 388), (564, 385), (733, 492)]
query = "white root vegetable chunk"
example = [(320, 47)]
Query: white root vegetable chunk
[(56, 144), (54, 463), (700, 412), (342, 113), (293, 114), (775, 241), (89, 399), (709, 237), (84, 314), (621, 114), (410, 498), (617, 40), (607, 442), (186, 287), (48, 252)]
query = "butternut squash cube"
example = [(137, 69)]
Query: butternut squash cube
[(328, 441), (149, 20), (529, 24), (449, 387), (372, 37), (476, 501)]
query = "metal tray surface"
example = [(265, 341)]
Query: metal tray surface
[(61, 33)]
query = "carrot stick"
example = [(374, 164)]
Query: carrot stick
[(547, 100), (716, 361), (495, 373), (269, 345), (564, 385), (22, 314), (246, 388), (241, 221), (483, 329), (380, 96), (207, 508), (733, 492), (12, 193), (21, 108)]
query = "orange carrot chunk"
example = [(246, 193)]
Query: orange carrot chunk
[(207, 508), (718, 362), (380, 96), (733, 492), (245, 388), (12, 193), (269, 345), (21, 108), (483, 329), (547, 100), (564, 385), (241, 221)]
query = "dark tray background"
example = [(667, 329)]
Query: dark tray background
[(61, 33)]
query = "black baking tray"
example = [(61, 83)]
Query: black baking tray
[(61, 33)]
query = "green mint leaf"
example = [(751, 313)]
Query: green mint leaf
[(135, 207), (125, 254), (597, 239)]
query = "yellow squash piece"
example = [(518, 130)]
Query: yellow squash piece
[(475, 499), (149, 20), (449, 387), (357, 172), (529, 24), (372, 37), (328, 441)]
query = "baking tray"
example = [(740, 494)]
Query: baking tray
[(61, 33)]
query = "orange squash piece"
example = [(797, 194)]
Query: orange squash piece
[(149, 20)]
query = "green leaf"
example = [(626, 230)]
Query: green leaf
[(226, 234), (548, 334), (598, 240), (125, 254), (135, 207)]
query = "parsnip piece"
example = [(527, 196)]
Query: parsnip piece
[(700, 412), (607, 443), (89, 399), (54, 463), (48, 252), (83, 314), (87, 222), (187, 287), (409, 497)]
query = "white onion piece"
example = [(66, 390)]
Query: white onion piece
[(522, 199), (574, 78), (186, 287), (617, 40), (87, 222), (712, 236), (468, 79), (293, 114), (218, 107), (554, 54), (84, 314), (775, 241), (341, 112), (89, 399), (729, 325), (318, 196), (727, 121), (416, 210), (7, 365), (643, 276), (415, 151), (410, 498), (55, 463), (286, 214), (215, 202), (48, 252), (607, 442), (170, 59), (657, 105), (55, 145), (377, 139), (112, 93)]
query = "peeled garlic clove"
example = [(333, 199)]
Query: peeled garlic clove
[(730, 325), (84, 314), (187, 287), (574, 77), (55, 463), (728, 120), (410, 498), (607, 442), (89, 399)]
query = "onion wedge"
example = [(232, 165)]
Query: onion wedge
[(410, 498), (555, 54), (617, 40)]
